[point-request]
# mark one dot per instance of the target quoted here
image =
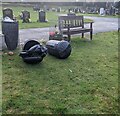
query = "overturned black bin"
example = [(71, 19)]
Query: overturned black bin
[(10, 31), (60, 49), (33, 52)]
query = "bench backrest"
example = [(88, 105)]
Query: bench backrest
[(70, 21)]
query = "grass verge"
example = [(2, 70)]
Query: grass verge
[(85, 83)]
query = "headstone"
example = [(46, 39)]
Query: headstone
[(102, 11), (45, 8), (53, 9), (117, 4), (26, 16), (36, 8), (42, 16), (76, 10), (113, 11), (2, 42), (73, 10), (58, 9), (80, 10), (110, 13), (69, 10), (7, 12), (21, 15)]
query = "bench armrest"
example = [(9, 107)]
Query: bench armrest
[(89, 23)]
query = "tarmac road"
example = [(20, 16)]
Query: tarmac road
[(101, 24)]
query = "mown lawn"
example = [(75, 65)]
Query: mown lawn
[(86, 82), (97, 15)]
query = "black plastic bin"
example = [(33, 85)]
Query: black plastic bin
[(60, 49), (10, 31), (33, 52)]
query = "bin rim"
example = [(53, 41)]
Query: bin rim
[(30, 43), (9, 22)]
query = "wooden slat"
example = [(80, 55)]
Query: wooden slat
[(73, 21)]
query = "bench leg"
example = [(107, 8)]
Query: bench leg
[(82, 35), (118, 29), (69, 37), (91, 33)]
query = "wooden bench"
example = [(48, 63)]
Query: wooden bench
[(70, 25)]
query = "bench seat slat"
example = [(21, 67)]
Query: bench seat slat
[(76, 31)]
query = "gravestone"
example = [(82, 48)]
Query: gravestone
[(76, 10), (42, 16), (58, 9), (112, 11), (21, 15), (117, 4), (45, 8), (2, 42), (102, 11), (69, 10), (80, 10), (7, 12), (53, 9), (26, 16), (36, 8)]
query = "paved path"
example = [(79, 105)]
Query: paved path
[(100, 24)]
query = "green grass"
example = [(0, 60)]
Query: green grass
[(97, 15), (86, 82), (52, 18)]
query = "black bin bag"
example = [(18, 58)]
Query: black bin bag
[(33, 52), (60, 49)]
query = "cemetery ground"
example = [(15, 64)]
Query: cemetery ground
[(86, 82), (50, 16)]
